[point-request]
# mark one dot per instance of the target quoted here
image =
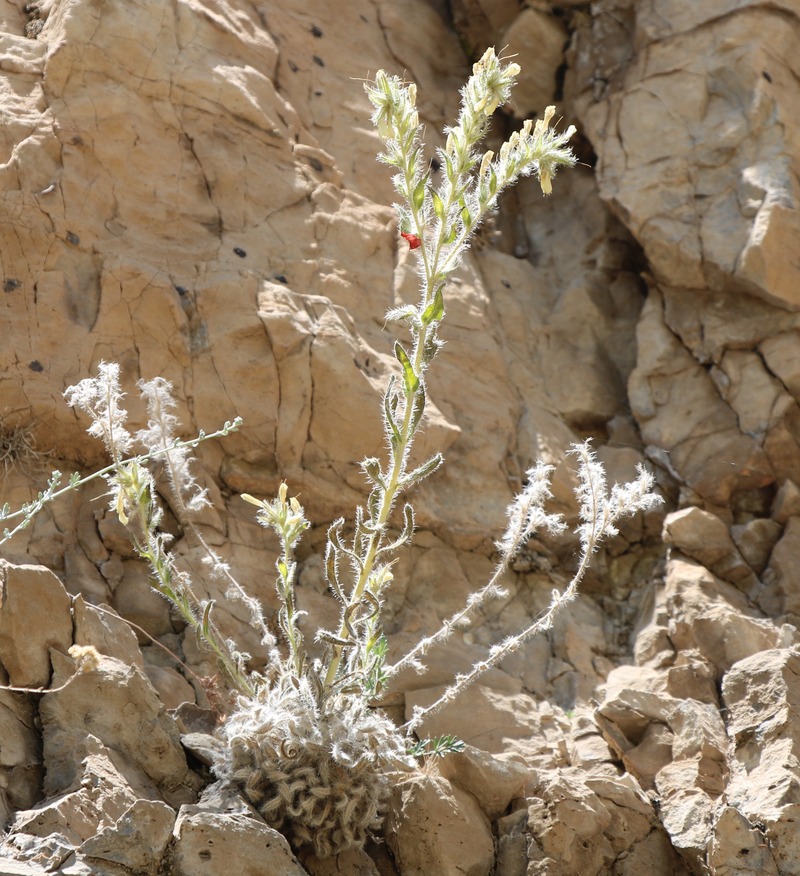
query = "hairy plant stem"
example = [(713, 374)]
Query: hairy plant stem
[(151, 549), (31, 509)]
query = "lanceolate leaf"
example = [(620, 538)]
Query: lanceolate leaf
[(438, 206), (419, 194), (206, 620), (435, 310), (424, 470), (390, 400), (418, 410), (405, 535), (410, 379)]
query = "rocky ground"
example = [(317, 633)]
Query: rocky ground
[(189, 189)]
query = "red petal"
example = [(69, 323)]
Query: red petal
[(413, 241)]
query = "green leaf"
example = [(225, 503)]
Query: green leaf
[(435, 310), (439, 746), (438, 206), (424, 470), (418, 197), (389, 407), (410, 379), (418, 409), (206, 620), (332, 563)]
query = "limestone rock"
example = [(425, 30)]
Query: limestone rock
[(780, 594), (532, 29), (787, 502), (704, 537), (755, 541), (27, 595), (434, 826), (674, 398), (104, 630), (20, 755), (172, 688), (354, 862), (9, 867), (578, 827), (136, 842), (492, 781), (481, 22), (207, 842), (495, 721), (124, 713), (52, 830), (737, 845), (194, 195), (670, 110)]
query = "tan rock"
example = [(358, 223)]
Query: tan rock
[(29, 594), (761, 695), (654, 752), (587, 748), (10, 867), (84, 578), (755, 541), (480, 22), (353, 862), (103, 629), (674, 399), (779, 594), (121, 707), (20, 755), (172, 688), (727, 219), (686, 808), (204, 840), (757, 398), (494, 721), (53, 828), (434, 826), (725, 636), (492, 781), (137, 601), (780, 352), (737, 843), (539, 40), (787, 502), (137, 841), (705, 538), (690, 590), (578, 827), (512, 844)]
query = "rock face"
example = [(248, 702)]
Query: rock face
[(189, 189)]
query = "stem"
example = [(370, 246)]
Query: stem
[(446, 629), (27, 512)]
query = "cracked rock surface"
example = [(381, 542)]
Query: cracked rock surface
[(189, 189)]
